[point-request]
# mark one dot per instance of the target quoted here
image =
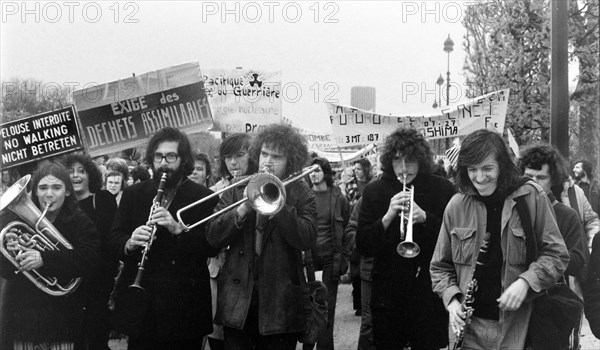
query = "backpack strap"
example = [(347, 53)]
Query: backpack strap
[(573, 200), (528, 228)]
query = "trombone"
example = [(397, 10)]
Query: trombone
[(265, 193)]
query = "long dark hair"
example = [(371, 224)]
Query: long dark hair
[(232, 145), (183, 149), (411, 145), (366, 167), (475, 148), (59, 171), (285, 139), (94, 174), (327, 171)]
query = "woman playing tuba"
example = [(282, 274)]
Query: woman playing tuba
[(32, 316)]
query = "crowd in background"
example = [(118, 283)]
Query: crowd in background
[(353, 215)]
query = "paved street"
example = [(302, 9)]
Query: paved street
[(347, 326)]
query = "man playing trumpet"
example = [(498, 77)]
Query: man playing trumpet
[(260, 301), (404, 308)]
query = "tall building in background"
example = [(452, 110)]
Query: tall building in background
[(363, 97)]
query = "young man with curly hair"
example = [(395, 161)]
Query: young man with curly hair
[(260, 301), (401, 289)]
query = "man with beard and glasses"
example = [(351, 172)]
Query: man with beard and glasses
[(175, 312)]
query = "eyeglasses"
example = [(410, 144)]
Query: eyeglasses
[(170, 157)]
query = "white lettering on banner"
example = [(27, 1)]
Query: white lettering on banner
[(14, 156), (176, 116), (54, 145), (53, 119), (113, 131), (352, 126)]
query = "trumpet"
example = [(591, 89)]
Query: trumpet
[(35, 232), (265, 193), (408, 248), (155, 204)]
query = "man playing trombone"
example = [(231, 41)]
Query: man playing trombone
[(404, 308), (261, 286), (172, 300)]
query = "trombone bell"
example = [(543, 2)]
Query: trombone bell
[(266, 194)]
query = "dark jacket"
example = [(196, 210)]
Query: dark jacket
[(593, 195), (401, 289), (281, 283), (343, 243), (366, 263), (572, 232), (176, 277), (591, 290), (101, 208), (32, 315)]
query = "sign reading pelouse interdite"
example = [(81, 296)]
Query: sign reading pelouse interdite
[(141, 106), (38, 137)]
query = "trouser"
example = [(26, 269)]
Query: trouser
[(365, 339), (147, 339), (216, 337), (250, 338), (330, 279), (97, 321)]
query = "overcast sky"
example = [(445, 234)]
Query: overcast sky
[(396, 47)]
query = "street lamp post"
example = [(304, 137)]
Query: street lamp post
[(448, 47), (440, 82)]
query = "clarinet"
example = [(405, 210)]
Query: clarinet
[(155, 204), (469, 299)]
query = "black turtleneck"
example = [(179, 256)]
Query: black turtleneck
[(489, 282)]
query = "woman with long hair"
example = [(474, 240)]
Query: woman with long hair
[(31, 318)]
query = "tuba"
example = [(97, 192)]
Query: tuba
[(34, 232)]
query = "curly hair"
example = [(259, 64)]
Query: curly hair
[(59, 171), (411, 145), (477, 146), (90, 168), (534, 157), (183, 148), (284, 138), (232, 145), (327, 171)]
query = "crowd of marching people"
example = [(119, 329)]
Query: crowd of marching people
[(481, 251)]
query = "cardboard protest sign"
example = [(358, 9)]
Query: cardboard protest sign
[(243, 100), (352, 126), (38, 137), (140, 106)]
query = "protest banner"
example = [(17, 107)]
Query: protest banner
[(126, 113), (38, 137), (352, 126), (243, 100)]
